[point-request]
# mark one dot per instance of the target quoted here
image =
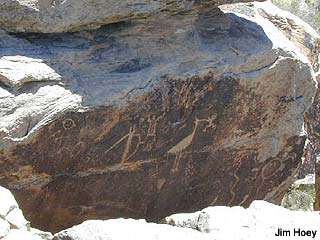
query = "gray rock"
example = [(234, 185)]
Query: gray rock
[(17, 70), (73, 15)]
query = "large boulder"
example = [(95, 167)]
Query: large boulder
[(219, 223), (148, 118), (74, 15)]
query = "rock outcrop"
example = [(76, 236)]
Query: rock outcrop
[(74, 15), (219, 223), (13, 225), (168, 114)]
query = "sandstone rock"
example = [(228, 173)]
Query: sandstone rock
[(73, 15), (301, 194), (154, 117), (256, 222)]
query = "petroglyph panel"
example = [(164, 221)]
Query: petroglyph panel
[(162, 153)]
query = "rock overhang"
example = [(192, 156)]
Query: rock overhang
[(123, 68), (73, 15)]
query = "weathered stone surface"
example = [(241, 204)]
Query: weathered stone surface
[(308, 41), (17, 70), (73, 15), (154, 117), (13, 225), (220, 223)]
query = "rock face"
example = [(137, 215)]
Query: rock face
[(256, 222), (148, 118), (311, 43), (308, 41), (73, 15), (219, 223), (13, 225)]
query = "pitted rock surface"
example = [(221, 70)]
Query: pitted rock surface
[(153, 117)]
